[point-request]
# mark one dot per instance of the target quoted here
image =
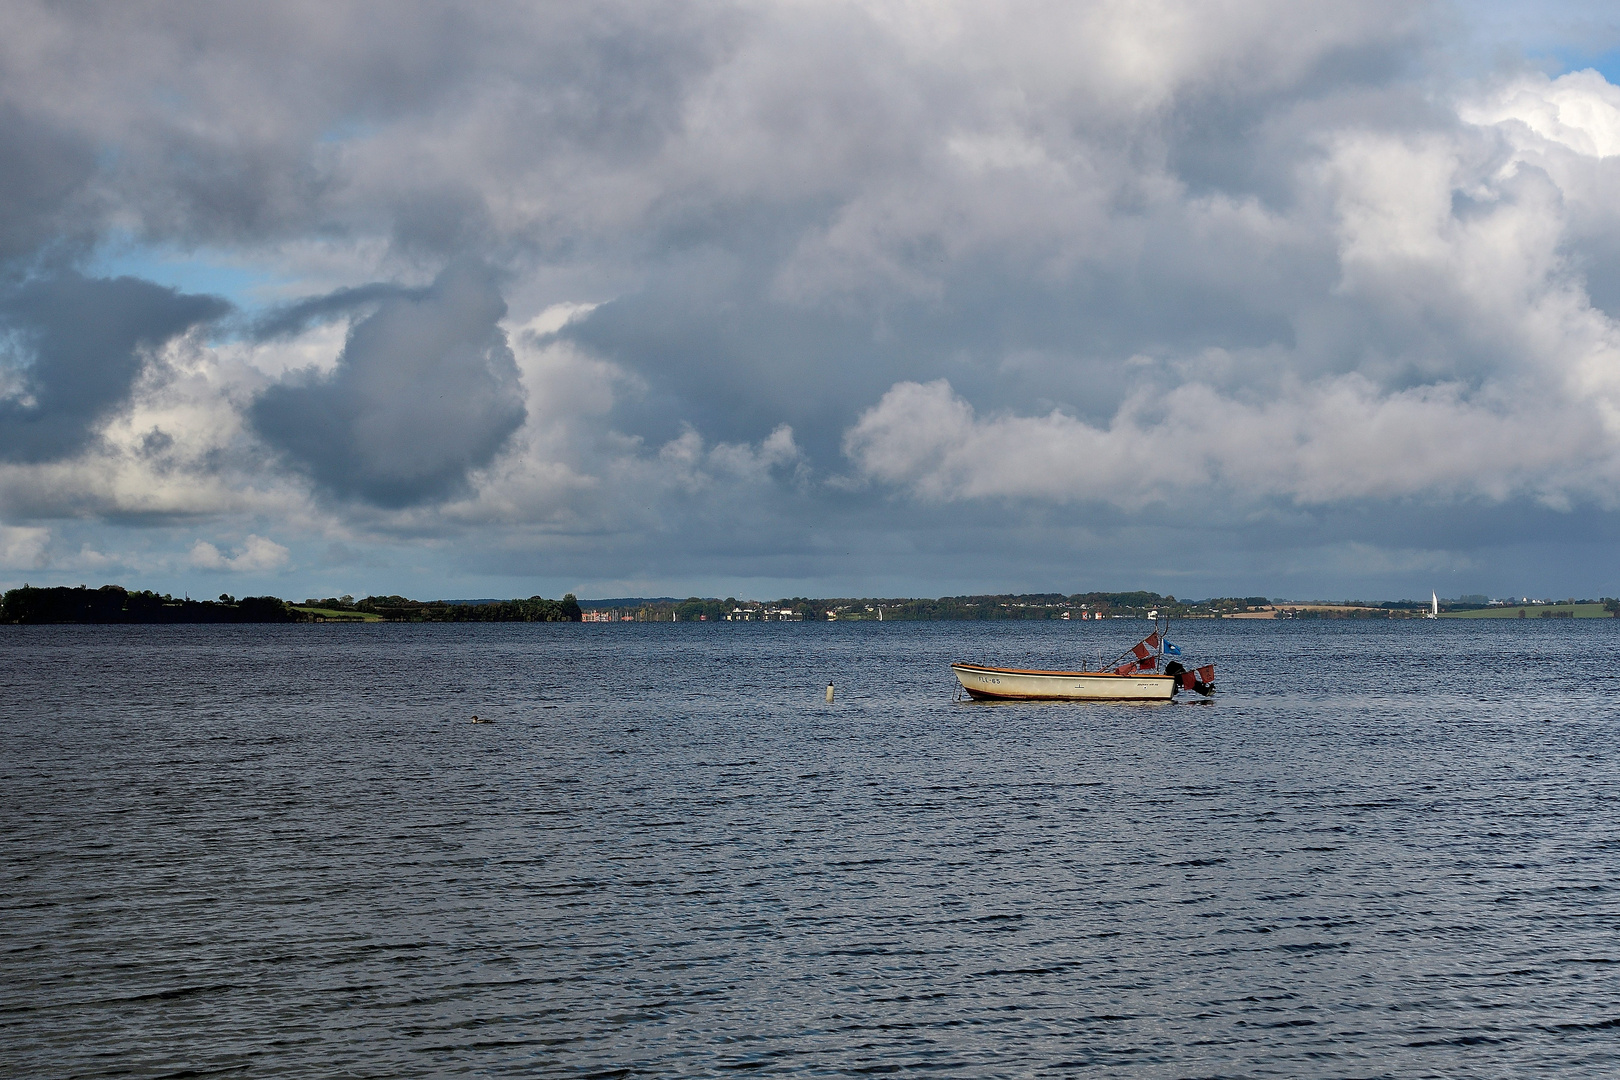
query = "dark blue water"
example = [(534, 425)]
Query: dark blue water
[(1384, 850)]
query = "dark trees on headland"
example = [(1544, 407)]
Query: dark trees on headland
[(534, 609), (112, 604)]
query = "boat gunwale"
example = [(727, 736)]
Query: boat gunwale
[(958, 665)]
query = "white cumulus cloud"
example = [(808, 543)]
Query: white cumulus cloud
[(256, 555), (23, 547)]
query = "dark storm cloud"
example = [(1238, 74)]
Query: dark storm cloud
[(717, 350), (425, 391), (293, 319), (42, 171), (885, 257), (75, 346), (1249, 136), (751, 133), (228, 124)]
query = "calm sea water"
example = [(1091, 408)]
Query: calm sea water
[(1383, 850)]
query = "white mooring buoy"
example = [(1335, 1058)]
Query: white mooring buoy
[(829, 693)]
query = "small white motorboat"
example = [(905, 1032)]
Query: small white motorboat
[(990, 683), (1142, 673)]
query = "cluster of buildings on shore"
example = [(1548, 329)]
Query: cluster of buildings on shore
[(764, 614), (1078, 608), (736, 614)]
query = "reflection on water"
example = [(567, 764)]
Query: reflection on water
[(1382, 850)]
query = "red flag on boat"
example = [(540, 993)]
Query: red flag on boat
[(1188, 678), (1147, 646), (1206, 674)]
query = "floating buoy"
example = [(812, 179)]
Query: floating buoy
[(829, 693)]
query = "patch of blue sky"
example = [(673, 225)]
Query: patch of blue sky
[(247, 286), (1557, 36), (1606, 63)]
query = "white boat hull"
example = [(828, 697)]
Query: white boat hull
[(1013, 684)]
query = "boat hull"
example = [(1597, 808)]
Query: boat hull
[(1013, 684)]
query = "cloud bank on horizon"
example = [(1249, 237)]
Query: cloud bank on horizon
[(910, 297)]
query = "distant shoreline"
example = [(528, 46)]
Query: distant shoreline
[(112, 604)]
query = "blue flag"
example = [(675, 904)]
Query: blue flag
[(1171, 650)]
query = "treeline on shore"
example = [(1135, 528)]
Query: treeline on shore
[(400, 609), (115, 604)]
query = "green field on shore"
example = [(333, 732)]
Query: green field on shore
[(333, 615), (1534, 611)]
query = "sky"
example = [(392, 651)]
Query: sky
[(765, 299)]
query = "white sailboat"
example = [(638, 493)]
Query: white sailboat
[(1434, 606)]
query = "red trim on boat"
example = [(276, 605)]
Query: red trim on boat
[(1058, 674)]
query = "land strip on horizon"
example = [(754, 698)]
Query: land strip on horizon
[(114, 604)]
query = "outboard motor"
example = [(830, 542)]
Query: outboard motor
[(1201, 681)]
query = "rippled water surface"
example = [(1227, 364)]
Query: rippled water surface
[(1384, 850)]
